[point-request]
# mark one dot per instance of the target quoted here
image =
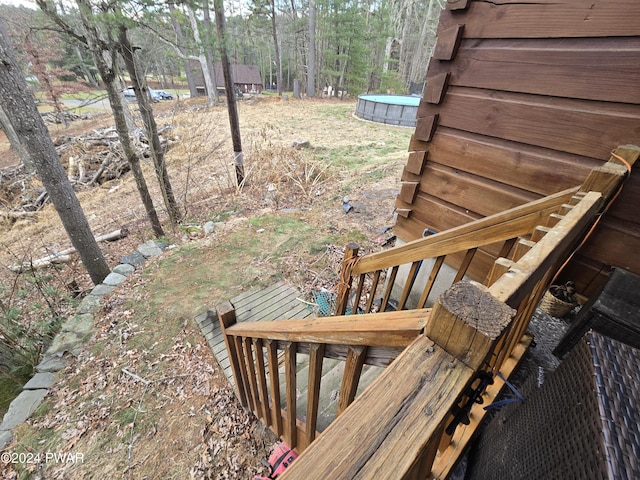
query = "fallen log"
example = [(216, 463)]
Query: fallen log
[(17, 215), (63, 256)]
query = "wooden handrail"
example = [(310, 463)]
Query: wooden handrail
[(502, 226), (390, 329)]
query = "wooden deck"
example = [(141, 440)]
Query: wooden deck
[(277, 302)]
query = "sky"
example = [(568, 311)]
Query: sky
[(19, 3)]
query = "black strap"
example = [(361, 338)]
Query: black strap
[(278, 462)]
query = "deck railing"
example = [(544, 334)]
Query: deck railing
[(414, 420)]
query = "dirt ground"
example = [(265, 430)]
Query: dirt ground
[(146, 398)]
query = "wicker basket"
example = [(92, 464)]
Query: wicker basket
[(554, 306)]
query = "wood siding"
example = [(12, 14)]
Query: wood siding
[(522, 100)]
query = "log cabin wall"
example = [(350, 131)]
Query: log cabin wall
[(522, 100)]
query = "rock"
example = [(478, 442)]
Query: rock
[(298, 144), (124, 269), (40, 381), (114, 279), (89, 305), (51, 363), (149, 249), (80, 324), (136, 258), (66, 342), (209, 228), (22, 407), (102, 289), (5, 438)]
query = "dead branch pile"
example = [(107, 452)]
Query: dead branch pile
[(64, 117), (90, 159)]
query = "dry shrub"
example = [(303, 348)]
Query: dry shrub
[(282, 176), (201, 159)]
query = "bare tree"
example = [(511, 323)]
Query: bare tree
[(311, 58), (15, 141), (19, 107), (180, 44), (207, 74), (232, 108), (144, 105), (103, 49)]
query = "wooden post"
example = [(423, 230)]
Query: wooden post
[(466, 320), (344, 285), (227, 317)]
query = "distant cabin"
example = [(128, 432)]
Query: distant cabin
[(246, 78)]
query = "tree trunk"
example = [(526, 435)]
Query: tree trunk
[(18, 105), (90, 78), (206, 73), (208, 47), (193, 90), (311, 58), (15, 141), (274, 33), (232, 108), (143, 99), (118, 108), (423, 52)]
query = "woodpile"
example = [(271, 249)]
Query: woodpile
[(90, 159)]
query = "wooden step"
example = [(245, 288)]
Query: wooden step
[(276, 302)]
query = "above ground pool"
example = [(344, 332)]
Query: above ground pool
[(389, 109)]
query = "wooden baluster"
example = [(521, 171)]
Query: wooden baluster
[(262, 380), (389, 287), (507, 246), (430, 282), (351, 377), (523, 319), (227, 317), (411, 279), (253, 384), (538, 233), (316, 356), (500, 267), (243, 373), (565, 208), (356, 300), (274, 380), (290, 349), (522, 247), (372, 292), (422, 470), (344, 286), (468, 257), (553, 220)]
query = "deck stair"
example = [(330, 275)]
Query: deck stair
[(281, 301), (276, 302), (419, 413)]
